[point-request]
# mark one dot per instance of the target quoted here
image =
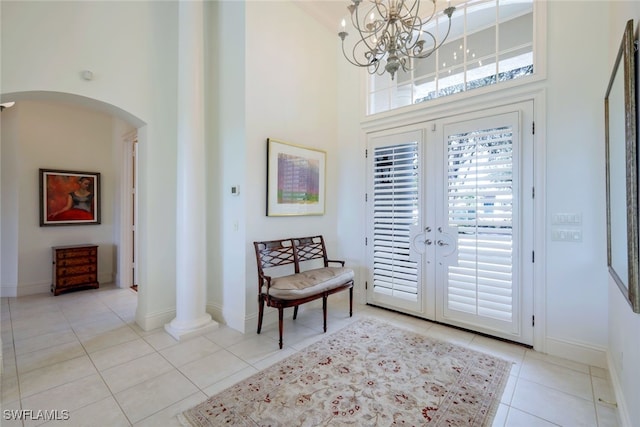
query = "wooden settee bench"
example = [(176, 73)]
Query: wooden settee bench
[(299, 286)]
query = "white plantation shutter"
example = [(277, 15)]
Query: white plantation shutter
[(395, 210), (480, 197)]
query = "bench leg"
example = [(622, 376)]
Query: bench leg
[(280, 321), (351, 301), (295, 312), (260, 311), (324, 311)]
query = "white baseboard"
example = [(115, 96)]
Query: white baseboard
[(225, 317), (24, 289), (105, 278), (34, 289), (8, 291), (270, 317), (155, 320), (577, 351), (623, 412)]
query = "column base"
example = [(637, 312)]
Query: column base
[(183, 330)]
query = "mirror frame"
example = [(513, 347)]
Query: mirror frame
[(625, 63)]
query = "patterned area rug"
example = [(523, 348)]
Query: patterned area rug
[(367, 374)]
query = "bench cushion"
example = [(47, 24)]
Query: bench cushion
[(309, 282)]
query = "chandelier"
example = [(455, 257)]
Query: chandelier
[(391, 30)]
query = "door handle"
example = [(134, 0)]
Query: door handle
[(442, 243), (428, 242)]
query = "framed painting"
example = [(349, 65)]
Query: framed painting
[(69, 197), (295, 179)]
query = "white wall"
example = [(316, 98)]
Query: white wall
[(227, 158), (54, 136), (9, 203), (624, 325), (351, 226), (291, 95), (576, 272)]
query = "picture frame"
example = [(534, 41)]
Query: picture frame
[(621, 142), (295, 179), (69, 197)]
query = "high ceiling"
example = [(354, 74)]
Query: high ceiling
[(328, 12)]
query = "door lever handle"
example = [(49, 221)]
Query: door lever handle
[(442, 243), (428, 242)]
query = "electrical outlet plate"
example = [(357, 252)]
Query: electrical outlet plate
[(566, 235), (566, 218)]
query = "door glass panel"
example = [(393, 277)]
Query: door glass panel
[(480, 207), (395, 211)]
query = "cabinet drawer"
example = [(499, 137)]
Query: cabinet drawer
[(76, 261), (78, 269), (77, 252), (77, 280)]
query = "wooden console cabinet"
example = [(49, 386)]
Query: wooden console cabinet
[(74, 267)]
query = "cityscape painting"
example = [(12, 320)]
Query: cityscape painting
[(295, 179)]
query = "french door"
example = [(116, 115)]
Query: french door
[(450, 214)]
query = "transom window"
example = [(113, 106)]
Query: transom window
[(491, 41)]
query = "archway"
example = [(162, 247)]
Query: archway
[(121, 206)]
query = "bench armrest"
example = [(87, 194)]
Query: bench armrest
[(264, 280), (336, 261)]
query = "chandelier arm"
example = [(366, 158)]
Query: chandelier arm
[(375, 71), (423, 55), (380, 7), (433, 13), (353, 61), (357, 64), (383, 29), (415, 5), (356, 24), (426, 55), (378, 49), (375, 62), (415, 16), (412, 35)]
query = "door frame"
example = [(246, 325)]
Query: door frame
[(127, 217), (415, 117)]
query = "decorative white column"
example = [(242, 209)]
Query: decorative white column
[(191, 287)]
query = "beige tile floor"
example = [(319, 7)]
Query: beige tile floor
[(83, 353)]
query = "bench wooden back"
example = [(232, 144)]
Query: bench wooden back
[(309, 248), (274, 253)]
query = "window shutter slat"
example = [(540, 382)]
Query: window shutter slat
[(395, 210), (480, 207)]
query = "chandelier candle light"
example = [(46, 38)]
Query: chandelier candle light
[(391, 30)]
